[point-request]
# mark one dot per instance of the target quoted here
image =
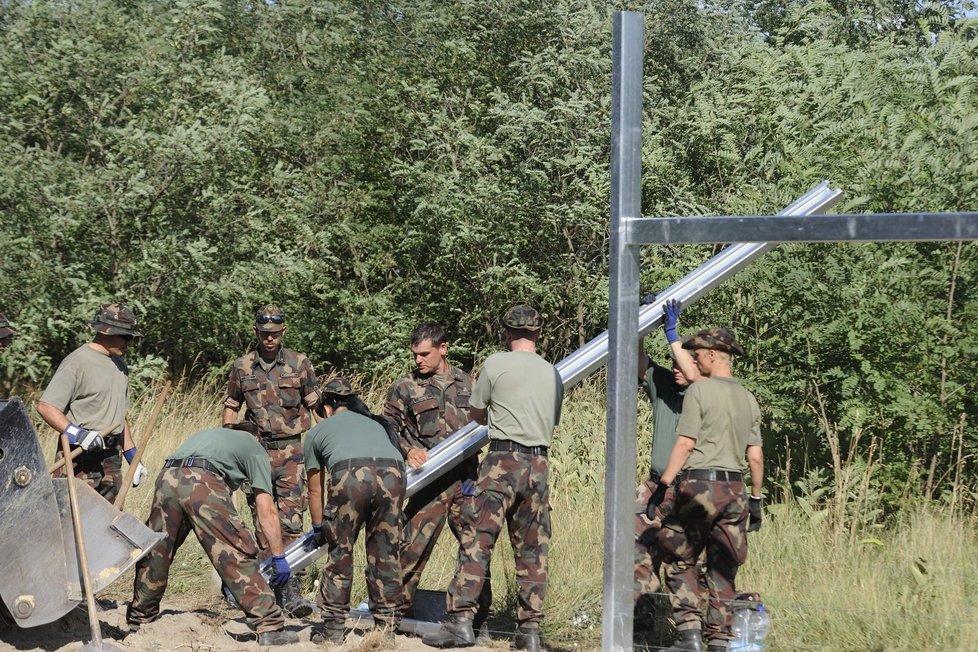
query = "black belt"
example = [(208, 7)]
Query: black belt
[(112, 441), (195, 462), (713, 475), (357, 462), (514, 447), (280, 442)]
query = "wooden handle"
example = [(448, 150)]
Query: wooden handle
[(120, 500)]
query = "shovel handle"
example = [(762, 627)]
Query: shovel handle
[(120, 500)]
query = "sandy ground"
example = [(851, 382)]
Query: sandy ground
[(207, 627)]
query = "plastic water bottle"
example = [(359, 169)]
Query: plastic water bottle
[(760, 623), (740, 629)]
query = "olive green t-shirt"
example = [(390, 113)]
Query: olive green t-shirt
[(667, 405), (92, 389), (236, 453), (346, 435), (724, 419), (522, 393)]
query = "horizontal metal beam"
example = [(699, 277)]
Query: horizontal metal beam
[(863, 227)]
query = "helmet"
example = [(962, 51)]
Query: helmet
[(115, 319), (523, 317)]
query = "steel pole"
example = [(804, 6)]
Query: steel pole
[(628, 36)]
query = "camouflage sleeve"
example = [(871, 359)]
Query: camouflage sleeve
[(310, 387), (397, 412), (234, 396)]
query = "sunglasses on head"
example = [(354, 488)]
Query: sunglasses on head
[(275, 319)]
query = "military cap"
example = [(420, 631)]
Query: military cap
[(115, 319), (718, 339), (270, 318), (523, 317), (5, 329), (339, 386)]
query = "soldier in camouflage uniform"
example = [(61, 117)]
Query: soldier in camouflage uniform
[(6, 333), (425, 407), (519, 396), (665, 388), (278, 388), (87, 400), (720, 422), (364, 490), (193, 492)]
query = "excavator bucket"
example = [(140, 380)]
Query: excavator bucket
[(40, 579)]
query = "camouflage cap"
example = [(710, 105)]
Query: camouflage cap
[(270, 318), (5, 329), (115, 319), (717, 339), (339, 386), (523, 317)]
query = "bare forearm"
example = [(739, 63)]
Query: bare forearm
[(479, 416), (268, 517), (314, 482), (684, 361), (127, 441), (755, 460)]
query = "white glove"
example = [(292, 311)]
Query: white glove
[(89, 440), (140, 474)]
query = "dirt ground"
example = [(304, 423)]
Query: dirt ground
[(204, 626)]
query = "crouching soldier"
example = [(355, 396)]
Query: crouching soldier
[(365, 489), (193, 492)]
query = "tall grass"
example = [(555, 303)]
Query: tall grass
[(830, 583)]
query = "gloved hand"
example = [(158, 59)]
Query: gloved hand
[(88, 440), (657, 497), (671, 310), (321, 533), (141, 473), (754, 507), (647, 299), (282, 571), (468, 488)]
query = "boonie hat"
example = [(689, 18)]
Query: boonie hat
[(717, 339), (115, 319), (524, 317), (270, 318), (339, 386), (5, 329)]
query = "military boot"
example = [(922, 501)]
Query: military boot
[(482, 637), (527, 638), (456, 631), (687, 640), (328, 633), (290, 599), (281, 637)]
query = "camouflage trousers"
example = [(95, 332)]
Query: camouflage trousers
[(363, 496), (424, 518), (708, 516), (289, 493), (101, 470), (649, 556), (512, 488), (194, 499)]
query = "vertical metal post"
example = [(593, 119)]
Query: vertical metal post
[(626, 202)]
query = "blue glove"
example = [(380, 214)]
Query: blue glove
[(282, 571), (468, 488), (671, 311), (647, 299)]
